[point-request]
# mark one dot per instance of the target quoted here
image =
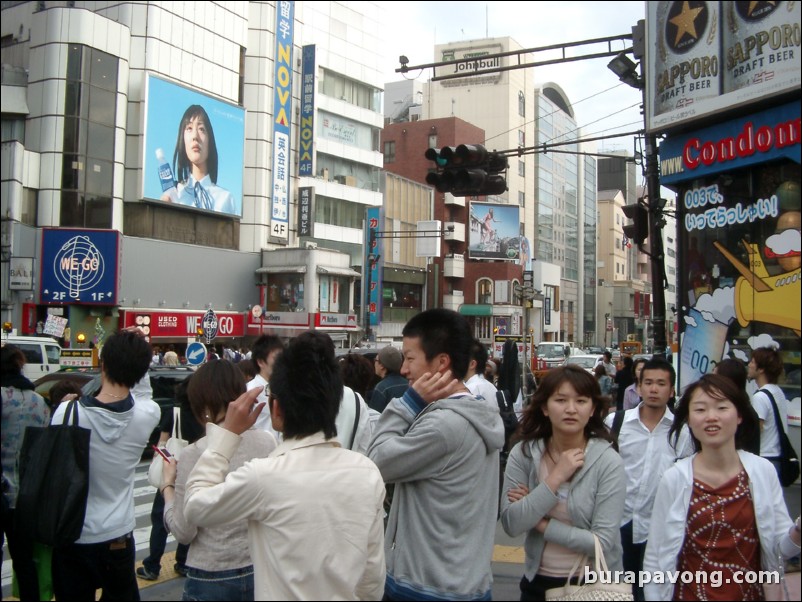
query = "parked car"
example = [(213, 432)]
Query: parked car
[(163, 380), (588, 361), (594, 350)]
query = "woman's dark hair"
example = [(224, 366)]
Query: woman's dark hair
[(535, 425), (307, 386), (11, 361), (213, 387), (182, 168), (718, 387), (599, 371), (248, 369), (125, 358), (357, 372), (733, 369), (635, 363), (62, 388)]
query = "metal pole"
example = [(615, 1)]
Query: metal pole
[(657, 254)]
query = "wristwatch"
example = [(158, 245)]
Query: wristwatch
[(796, 524)]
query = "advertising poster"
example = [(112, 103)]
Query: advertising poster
[(193, 149), (375, 264), (495, 232), (707, 57)]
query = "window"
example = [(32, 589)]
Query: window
[(521, 199), (521, 138), (89, 138), (482, 327), (521, 104), (389, 151), (522, 169), (484, 291), (517, 298), (432, 140), (285, 292)]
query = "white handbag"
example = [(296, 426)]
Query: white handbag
[(591, 591), (174, 445)]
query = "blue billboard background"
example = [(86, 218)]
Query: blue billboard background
[(165, 105), (79, 266)]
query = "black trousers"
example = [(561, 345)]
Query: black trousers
[(633, 558), (20, 547), (535, 590)]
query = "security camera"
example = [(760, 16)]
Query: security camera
[(403, 60)]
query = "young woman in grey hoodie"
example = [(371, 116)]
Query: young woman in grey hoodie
[(564, 481)]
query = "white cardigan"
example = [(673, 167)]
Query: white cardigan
[(673, 499)]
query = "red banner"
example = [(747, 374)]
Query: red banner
[(176, 323)]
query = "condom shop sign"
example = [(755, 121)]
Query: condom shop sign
[(172, 150), (757, 138), (79, 266)]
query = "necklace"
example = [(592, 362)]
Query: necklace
[(113, 395)]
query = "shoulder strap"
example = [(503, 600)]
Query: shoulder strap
[(618, 420), (768, 394), (72, 408), (356, 420), (177, 423)]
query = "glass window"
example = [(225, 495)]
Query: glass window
[(99, 140), (389, 151), (101, 106), (72, 209), (521, 198), (432, 140), (99, 177), (285, 292), (521, 104), (98, 213), (397, 294), (522, 169), (484, 291), (104, 70)]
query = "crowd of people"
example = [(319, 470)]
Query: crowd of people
[(312, 478)]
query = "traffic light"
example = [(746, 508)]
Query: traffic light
[(638, 230), (467, 170)]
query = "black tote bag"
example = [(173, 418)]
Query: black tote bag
[(54, 481)]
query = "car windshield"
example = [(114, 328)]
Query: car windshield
[(585, 362), (550, 351)]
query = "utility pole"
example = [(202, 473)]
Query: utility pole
[(657, 254)]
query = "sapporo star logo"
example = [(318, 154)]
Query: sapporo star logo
[(686, 24), (756, 10)]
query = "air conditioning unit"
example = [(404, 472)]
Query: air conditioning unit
[(340, 179), (310, 245)]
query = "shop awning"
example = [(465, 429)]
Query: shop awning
[(282, 269), (338, 271), (479, 309)]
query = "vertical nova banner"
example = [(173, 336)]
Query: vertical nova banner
[(305, 167), (282, 115)]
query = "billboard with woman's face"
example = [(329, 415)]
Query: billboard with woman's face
[(495, 232), (193, 149)]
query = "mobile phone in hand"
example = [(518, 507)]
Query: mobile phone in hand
[(162, 451)]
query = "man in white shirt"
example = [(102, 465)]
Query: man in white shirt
[(765, 368), (609, 366), (314, 510), (264, 353), (647, 453), (474, 378)]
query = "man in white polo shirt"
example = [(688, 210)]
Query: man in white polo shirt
[(647, 453)]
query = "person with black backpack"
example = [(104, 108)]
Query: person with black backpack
[(765, 368)]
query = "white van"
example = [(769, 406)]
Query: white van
[(551, 354), (42, 355)]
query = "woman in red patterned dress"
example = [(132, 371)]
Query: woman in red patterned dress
[(725, 518)]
